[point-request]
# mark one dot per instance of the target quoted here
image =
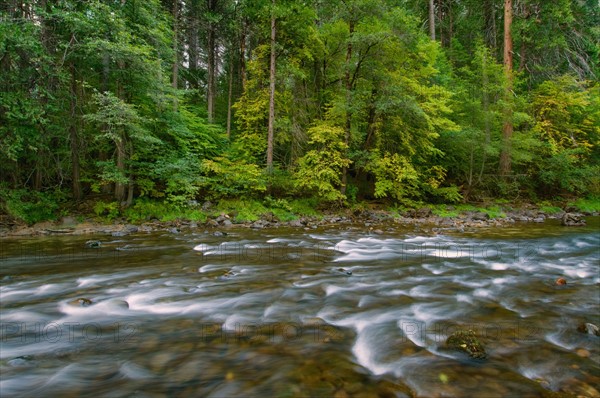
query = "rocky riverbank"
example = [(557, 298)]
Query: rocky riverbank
[(373, 221)]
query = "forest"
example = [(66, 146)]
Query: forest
[(173, 103)]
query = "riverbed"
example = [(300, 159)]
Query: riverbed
[(331, 311)]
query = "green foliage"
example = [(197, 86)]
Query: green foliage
[(305, 207), (548, 207), (589, 205), (567, 172), (443, 211), (494, 212), (395, 176), (107, 210), (319, 170), (563, 120), (446, 194), (87, 96), (222, 177), (146, 210), (242, 210), (30, 206), (272, 203)]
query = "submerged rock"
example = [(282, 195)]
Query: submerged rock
[(93, 244), (345, 271), (21, 361), (589, 328), (81, 302), (466, 341), (560, 282), (119, 303), (228, 274)]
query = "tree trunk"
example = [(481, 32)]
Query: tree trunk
[(441, 21), (271, 126), (175, 72), (243, 55), (486, 108), (348, 84), (192, 44), (211, 63), (507, 128), (74, 139), (130, 189), (371, 118), (432, 19), (490, 25), (119, 186), (230, 93), (120, 143)]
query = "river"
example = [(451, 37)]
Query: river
[(334, 311)]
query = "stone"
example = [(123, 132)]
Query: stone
[(117, 303), (589, 328), (131, 228), (81, 302), (560, 282), (583, 353), (93, 244), (68, 221), (295, 224), (424, 212), (480, 216), (572, 220), (466, 341)]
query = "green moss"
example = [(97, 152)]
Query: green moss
[(443, 211), (494, 212), (242, 210), (589, 205), (146, 210), (305, 207), (284, 215), (466, 341)]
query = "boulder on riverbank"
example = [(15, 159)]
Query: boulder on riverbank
[(572, 220)]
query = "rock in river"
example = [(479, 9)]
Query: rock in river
[(93, 244), (572, 220), (589, 328), (81, 302), (466, 341), (560, 282)]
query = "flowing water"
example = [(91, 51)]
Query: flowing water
[(321, 312)]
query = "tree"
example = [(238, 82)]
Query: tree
[(432, 19), (507, 128), (272, 76)]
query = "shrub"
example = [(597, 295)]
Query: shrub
[(31, 206)]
